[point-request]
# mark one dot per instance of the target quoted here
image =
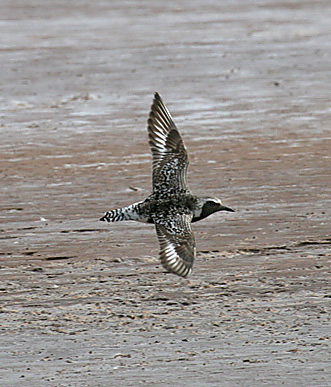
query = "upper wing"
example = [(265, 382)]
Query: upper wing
[(169, 154), (177, 244)]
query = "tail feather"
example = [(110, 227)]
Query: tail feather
[(132, 212), (113, 216)]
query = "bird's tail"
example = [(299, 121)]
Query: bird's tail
[(132, 212), (114, 215)]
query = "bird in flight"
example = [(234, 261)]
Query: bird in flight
[(171, 207)]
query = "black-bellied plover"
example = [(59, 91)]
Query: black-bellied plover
[(171, 206)]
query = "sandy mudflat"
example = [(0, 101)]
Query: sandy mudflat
[(84, 303)]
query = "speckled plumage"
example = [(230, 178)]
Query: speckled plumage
[(171, 207)]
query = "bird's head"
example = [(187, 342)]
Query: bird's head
[(208, 207)]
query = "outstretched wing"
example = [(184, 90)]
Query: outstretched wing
[(169, 154), (177, 244)]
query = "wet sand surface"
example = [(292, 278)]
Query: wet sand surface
[(84, 303)]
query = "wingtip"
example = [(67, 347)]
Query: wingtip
[(156, 100), (184, 275), (157, 97)]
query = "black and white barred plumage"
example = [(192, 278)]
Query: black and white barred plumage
[(171, 207)]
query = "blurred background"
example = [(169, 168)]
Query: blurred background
[(248, 85)]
